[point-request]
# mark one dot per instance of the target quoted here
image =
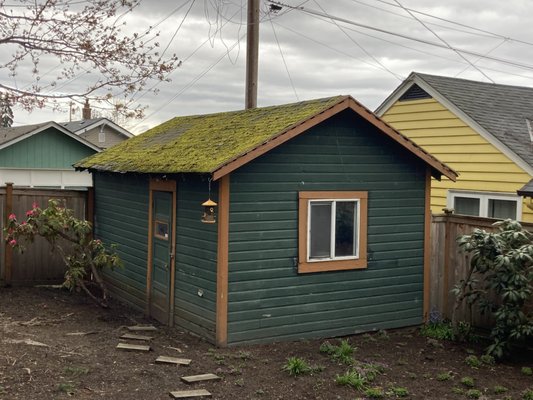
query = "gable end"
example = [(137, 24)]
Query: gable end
[(415, 92)]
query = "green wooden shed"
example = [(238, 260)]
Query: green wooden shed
[(321, 227)]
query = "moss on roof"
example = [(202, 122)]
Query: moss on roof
[(204, 143)]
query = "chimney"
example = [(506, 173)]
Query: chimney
[(86, 112)]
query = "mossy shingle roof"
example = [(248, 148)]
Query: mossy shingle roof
[(219, 143), (203, 143)]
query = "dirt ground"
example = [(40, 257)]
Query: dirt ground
[(90, 367)]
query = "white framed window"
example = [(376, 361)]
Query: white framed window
[(485, 204), (332, 230)]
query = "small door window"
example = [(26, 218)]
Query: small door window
[(161, 230)]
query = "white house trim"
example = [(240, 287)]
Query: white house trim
[(46, 178), (104, 121), (414, 79)]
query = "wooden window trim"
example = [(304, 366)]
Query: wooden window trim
[(332, 265), (157, 221)]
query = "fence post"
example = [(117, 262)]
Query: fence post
[(8, 250)]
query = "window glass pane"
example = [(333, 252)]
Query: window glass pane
[(345, 224), (466, 205), (320, 230), (502, 209)]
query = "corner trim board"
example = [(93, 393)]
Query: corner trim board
[(222, 261), (427, 244)]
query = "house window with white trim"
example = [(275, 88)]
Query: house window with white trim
[(485, 204), (332, 231)]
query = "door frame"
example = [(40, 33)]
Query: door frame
[(158, 185)]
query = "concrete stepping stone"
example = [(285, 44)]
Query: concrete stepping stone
[(172, 360), (190, 394), (131, 336), (138, 328), (133, 347), (200, 378)]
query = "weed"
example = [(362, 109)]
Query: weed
[(76, 371), (437, 330), (401, 361), (444, 376), (243, 355), (66, 387), (375, 393), (468, 381), (457, 390), (343, 352), (399, 392), (239, 382), (527, 371), (499, 389), (2, 390), (487, 359), (412, 375), (371, 370), (260, 392), (368, 338), (352, 378), (473, 394), (296, 366), (473, 361), (382, 334), (527, 394)]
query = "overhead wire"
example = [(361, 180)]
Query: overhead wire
[(283, 59), (444, 41)]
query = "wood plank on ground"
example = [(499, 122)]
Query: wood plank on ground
[(172, 360), (190, 394), (131, 336), (133, 347), (138, 328), (200, 378)]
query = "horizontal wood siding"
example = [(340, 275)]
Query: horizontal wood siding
[(481, 166), (268, 299), (47, 149), (121, 217), (196, 260)]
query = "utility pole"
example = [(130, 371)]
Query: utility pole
[(252, 53)]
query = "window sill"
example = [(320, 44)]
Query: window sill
[(335, 265)]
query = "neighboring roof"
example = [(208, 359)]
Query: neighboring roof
[(526, 190), (503, 114), (12, 135), (82, 126), (220, 143)]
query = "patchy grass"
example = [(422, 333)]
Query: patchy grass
[(342, 353)]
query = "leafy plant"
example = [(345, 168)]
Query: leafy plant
[(504, 260), (296, 366), (399, 392), (527, 371), (76, 371), (527, 394), (487, 359), (66, 387), (352, 378), (437, 330), (499, 389), (467, 381), (473, 361), (375, 393), (343, 352), (473, 394), (444, 376), (72, 238)]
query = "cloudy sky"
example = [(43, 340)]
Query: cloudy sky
[(359, 47)]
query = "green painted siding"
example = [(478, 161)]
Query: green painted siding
[(268, 299), (47, 149), (196, 260), (121, 217)]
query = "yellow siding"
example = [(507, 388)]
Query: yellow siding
[(481, 166)]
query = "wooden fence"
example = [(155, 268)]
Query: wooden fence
[(449, 265), (37, 265)]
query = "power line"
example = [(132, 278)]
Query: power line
[(177, 30), (284, 62), (445, 42), (428, 42), (359, 45)]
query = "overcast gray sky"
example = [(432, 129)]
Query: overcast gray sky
[(322, 57)]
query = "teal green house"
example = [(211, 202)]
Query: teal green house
[(42, 155), (320, 228)]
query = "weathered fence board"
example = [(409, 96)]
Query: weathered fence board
[(449, 265), (37, 265)]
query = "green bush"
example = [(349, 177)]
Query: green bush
[(468, 381), (473, 361), (473, 394)]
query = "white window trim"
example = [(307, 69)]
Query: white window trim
[(333, 229), (484, 198)]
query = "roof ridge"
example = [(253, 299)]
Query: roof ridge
[(422, 75)]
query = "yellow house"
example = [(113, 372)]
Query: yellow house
[(482, 130)]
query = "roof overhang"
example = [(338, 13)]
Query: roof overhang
[(46, 126), (526, 190), (414, 78), (101, 122), (437, 167)]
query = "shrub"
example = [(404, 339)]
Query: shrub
[(504, 260), (499, 389), (444, 376), (437, 330)]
